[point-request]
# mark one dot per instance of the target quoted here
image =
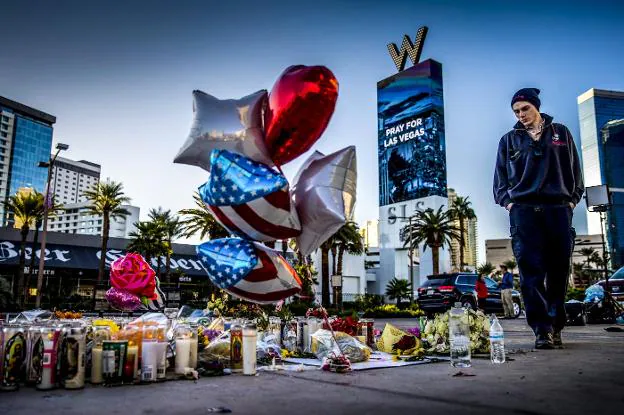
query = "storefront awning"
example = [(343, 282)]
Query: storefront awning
[(82, 257)]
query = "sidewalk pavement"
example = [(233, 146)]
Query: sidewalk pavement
[(586, 377)]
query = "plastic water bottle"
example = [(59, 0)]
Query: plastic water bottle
[(459, 335), (497, 342)]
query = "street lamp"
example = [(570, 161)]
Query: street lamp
[(599, 200), (411, 253), (46, 204)]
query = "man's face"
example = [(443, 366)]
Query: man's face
[(526, 113)]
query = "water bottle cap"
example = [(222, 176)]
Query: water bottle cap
[(458, 304)]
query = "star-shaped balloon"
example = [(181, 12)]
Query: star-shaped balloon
[(324, 195), (230, 124)]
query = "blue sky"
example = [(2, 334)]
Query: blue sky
[(119, 75)]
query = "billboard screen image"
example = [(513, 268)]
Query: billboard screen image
[(411, 146)]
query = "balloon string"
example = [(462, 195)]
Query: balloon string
[(323, 310)]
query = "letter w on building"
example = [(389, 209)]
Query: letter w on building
[(407, 48)]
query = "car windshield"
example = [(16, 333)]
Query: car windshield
[(619, 275), (436, 282), (490, 282), (467, 279)]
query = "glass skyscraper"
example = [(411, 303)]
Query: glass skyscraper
[(613, 167), (596, 109), (25, 140)]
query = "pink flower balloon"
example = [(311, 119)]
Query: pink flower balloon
[(133, 274)]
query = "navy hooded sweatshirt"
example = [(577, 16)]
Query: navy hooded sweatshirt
[(544, 172)]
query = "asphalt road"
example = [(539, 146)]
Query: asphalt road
[(585, 377)]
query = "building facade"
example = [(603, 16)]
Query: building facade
[(71, 178), (411, 153), (76, 219), (613, 168), (25, 140), (596, 108), (470, 242)]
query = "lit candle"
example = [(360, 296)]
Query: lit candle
[(183, 354), (100, 333), (96, 365), (132, 364), (250, 335)]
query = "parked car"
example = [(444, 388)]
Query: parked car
[(616, 284), (440, 292)]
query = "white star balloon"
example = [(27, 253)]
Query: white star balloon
[(228, 124), (324, 196)]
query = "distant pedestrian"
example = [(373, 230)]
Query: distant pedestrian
[(482, 293), (506, 286), (538, 180)]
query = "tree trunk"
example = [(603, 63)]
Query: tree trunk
[(31, 272), (19, 292), (284, 247), (462, 243), (435, 254), (168, 263), (325, 277), (158, 262), (101, 268), (339, 271)]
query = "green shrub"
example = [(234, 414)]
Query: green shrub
[(575, 294)]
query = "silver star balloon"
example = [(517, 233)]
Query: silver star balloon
[(227, 124), (324, 195)]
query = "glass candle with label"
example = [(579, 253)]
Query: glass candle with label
[(161, 370), (134, 335), (13, 356), (34, 357), (250, 337), (194, 345), (149, 354), (73, 358), (48, 379), (236, 348)]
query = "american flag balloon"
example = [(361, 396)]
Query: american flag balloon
[(249, 270), (249, 199)]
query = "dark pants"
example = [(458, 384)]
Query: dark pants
[(481, 303), (542, 242)]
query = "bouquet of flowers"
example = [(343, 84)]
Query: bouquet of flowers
[(436, 333)]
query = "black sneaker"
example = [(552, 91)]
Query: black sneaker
[(557, 339), (544, 341)]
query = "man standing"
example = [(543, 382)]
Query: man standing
[(538, 180), (506, 286)]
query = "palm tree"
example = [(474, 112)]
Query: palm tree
[(106, 200), (485, 269), (200, 219), (172, 229), (398, 289), (349, 240), (588, 253), (147, 240), (462, 211), (433, 228), (511, 264), (26, 207)]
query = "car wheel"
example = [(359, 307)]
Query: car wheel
[(517, 309)]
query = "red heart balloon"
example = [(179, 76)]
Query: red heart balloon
[(300, 105)]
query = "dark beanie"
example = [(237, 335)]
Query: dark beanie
[(529, 95)]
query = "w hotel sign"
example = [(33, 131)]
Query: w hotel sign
[(413, 50)]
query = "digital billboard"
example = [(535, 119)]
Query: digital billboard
[(411, 146)]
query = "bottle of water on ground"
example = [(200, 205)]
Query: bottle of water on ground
[(459, 336), (497, 342)]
